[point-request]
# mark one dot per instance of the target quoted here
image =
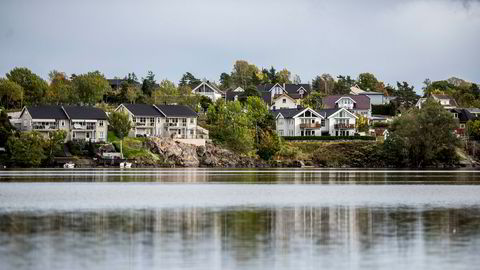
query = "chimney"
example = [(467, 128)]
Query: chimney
[(283, 85)]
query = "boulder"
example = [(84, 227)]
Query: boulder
[(180, 154)]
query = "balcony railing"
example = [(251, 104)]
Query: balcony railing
[(311, 125), (344, 126), (44, 127), (143, 124), (176, 124)]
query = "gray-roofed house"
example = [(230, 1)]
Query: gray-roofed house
[(358, 104), (308, 122), (462, 116), (177, 121), (79, 122), (271, 92)]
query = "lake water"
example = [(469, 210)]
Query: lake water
[(239, 219)]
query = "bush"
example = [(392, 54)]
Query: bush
[(381, 125), (388, 109), (328, 138)]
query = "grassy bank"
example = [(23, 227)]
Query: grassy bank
[(133, 149)]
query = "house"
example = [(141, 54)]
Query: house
[(445, 100), (309, 122), (209, 90), (376, 98), (358, 104), (79, 122), (234, 94), (462, 116), (116, 83), (177, 121), (283, 101), (270, 92)]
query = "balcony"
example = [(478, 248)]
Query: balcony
[(44, 127), (77, 126), (143, 124), (310, 125), (344, 126), (170, 125)]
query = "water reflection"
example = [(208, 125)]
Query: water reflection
[(199, 175), (243, 238)]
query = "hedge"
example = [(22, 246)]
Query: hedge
[(328, 138), (388, 109)]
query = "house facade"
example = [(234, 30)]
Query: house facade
[(357, 104), (445, 100), (376, 98), (270, 92), (176, 121), (79, 122), (208, 90), (309, 122)]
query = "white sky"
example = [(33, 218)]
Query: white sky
[(407, 40)]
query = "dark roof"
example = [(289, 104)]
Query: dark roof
[(142, 109), (84, 112), (289, 87), (211, 85), (47, 112), (287, 113), (463, 115), (327, 112), (177, 111), (118, 82), (362, 102), (230, 95)]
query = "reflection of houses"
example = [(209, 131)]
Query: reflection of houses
[(79, 122), (358, 104), (161, 120), (209, 90), (309, 122), (445, 100)]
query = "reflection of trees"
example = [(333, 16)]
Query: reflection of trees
[(247, 233)]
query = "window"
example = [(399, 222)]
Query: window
[(192, 120), (100, 123), (62, 123), (284, 100), (102, 135), (323, 123), (455, 115), (462, 125), (191, 131)]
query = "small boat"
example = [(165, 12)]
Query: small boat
[(125, 165), (69, 165)]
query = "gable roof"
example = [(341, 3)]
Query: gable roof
[(362, 101), (451, 101), (209, 85), (464, 115), (84, 112), (290, 88), (230, 95), (176, 110), (46, 112), (142, 109), (287, 113), (327, 112)]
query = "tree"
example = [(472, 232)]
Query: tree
[(120, 124), (251, 91), (269, 144), (368, 82), (272, 75), (406, 97), (166, 93), (324, 84), (34, 87), (283, 76), (205, 102), (148, 84), (426, 134), (6, 128), (90, 87), (362, 123), (313, 100), (26, 150), (11, 93), (54, 144), (243, 72), (132, 93), (60, 90), (473, 129), (225, 81), (343, 85), (189, 80), (297, 79)]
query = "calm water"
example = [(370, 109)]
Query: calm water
[(239, 219)]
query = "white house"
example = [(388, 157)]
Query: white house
[(309, 122), (208, 90), (296, 91), (445, 100), (177, 121), (283, 101), (79, 122), (358, 104)]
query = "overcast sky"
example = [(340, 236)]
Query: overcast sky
[(407, 40)]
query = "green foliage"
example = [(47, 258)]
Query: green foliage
[(350, 154), (148, 84), (268, 145), (368, 82), (26, 150), (384, 109), (34, 87), (243, 73), (61, 90), (120, 124), (328, 138), (11, 93), (406, 97), (54, 144), (6, 128), (90, 87), (226, 81), (313, 100), (324, 84), (343, 85), (362, 123), (426, 134), (381, 125), (189, 80), (205, 102), (473, 129)]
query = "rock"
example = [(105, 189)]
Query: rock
[(180, 154)]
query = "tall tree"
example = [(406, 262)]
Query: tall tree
[(34, 87), (188, 79), (60, 90), (11, 93), (324, 84), (343, 85), (90, 87), (26, 150), (368, 82), (148, 84), (242, 74), (283, 76), (406, 97), (225, 81), (166, 93)]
